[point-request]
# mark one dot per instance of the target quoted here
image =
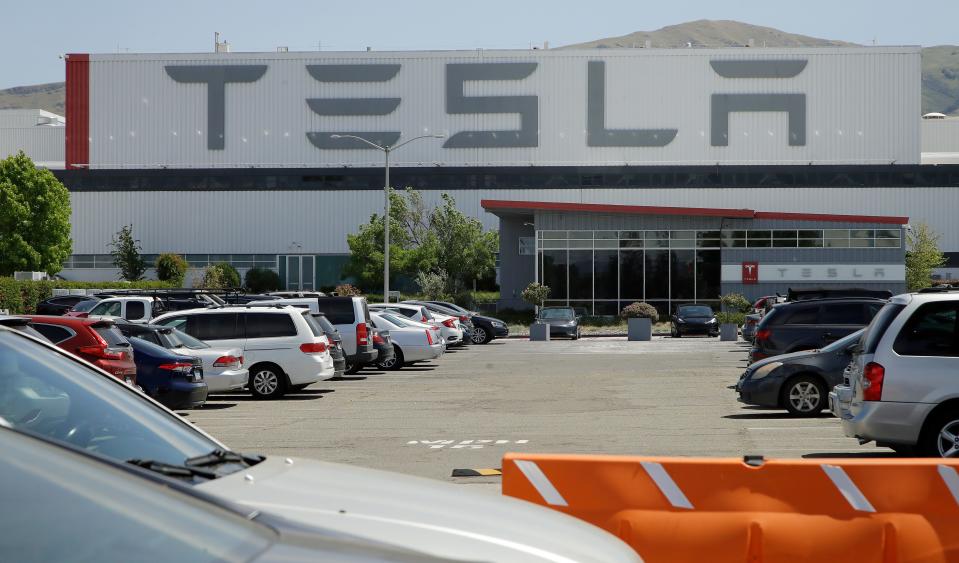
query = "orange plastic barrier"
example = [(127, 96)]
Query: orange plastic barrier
[(716, 510)]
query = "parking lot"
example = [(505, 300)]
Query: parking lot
[(596, 395)]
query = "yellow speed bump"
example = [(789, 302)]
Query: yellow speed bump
[(476, 472)]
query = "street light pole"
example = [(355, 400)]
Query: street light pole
[(387, 149)]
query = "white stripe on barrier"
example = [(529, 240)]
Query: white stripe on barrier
[(666, 485), (847, 488), (951, 478), (541, 483)]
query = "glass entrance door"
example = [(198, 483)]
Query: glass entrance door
[(300, 272)]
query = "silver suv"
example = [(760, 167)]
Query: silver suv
[(902, 388)]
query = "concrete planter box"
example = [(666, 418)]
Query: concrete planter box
[(539, 332), (728, 332), (639, 330)]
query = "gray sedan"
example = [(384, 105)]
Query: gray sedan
[(799, 382), (562, 321)]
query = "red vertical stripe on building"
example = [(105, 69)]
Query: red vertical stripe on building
[(78, 111)]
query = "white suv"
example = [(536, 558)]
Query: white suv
[(284, 347), (902, 387)]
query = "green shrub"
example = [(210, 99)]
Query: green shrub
[(535, 294), (171, 268), (347, 290), (735, 303), (220, 276), (640, 310), (21, 297), (734, 317), (261, 280), (432, 284)]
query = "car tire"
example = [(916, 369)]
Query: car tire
[(804, 396), (934, 442), (394, 363), (576, 335), (267, 381), (480, 335), (676, 333)]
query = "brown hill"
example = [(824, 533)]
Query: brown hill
[(41, 96)]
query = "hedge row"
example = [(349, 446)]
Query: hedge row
[(21, 297)]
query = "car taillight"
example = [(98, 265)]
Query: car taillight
[(377, 339), (180, 367), (103, 352), (313, 348), (872, 376), (449, 323), (362, 334), (429, 338), (763, 334), (423, 320), (228, 362)]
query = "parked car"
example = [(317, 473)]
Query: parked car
[(82, 408), (175, 380), (351, 317), (222, 367), (283, 346), (811, 324), (82, 309), (693, 319), (336, 343), (465, 318), (798, 382), (67, 510), (485, 329), (902, 389), (59, 305), (450, 327), (749, 326), (244, 298), (562, 321), (411, 343), (383, 342), (95, 340)]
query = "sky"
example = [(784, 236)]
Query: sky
[(37, 32)]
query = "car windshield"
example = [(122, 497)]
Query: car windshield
[(47, 393), (85, 306), (695, 311), (184, 340), (556, 314), (844, 342)]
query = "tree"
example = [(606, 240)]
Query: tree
[(34, 218), (535, 294), (126, 254), (220, 276), (432, 284), (922, 256), (462, 247), (259, 280), (171, 268)]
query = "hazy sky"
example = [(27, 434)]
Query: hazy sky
[(35, 32)]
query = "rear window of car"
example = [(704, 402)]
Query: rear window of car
[(269, 325), (53, 333), (111, 335), (324, 323), (135, 310), (339, 310), (315, 326), (930, 331), (877, 328)]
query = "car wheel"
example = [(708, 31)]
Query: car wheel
[(351, 368), (394, 363), (576, 335), (480, 336), (267, 382), (676, 333), (804, 395), (940, 438)]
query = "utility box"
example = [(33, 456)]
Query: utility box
[(29, 276)]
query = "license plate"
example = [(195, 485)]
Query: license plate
[(197, 374)]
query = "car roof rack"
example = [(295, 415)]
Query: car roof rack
[(939, 289)]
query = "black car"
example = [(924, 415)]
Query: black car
[(693, 319), (562, 321), (60, 305), (798, 382), (485, 329), (336, 344), (811, 324), (386, 358)]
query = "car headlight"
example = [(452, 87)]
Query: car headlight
[(497, 323), (681, 321), (711, 321), (765, 370)]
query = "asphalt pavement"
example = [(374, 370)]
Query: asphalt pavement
[(667, 397)]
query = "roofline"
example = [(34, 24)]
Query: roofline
[(493, 205)]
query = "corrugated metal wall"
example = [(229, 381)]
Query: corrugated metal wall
[(940, 135), (43, 144), (861, 105), (270, 222)]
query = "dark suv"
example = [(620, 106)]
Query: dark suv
[(811, 324)]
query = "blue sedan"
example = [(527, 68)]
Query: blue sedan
[(174, 380)]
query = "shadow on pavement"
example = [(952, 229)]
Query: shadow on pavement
[(837, 455), (294, 396), (208, 406), (346, 378), (773, 415)]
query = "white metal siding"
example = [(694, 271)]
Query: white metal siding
[(940, 135), (42, 144), (270, 222), (862, 107)]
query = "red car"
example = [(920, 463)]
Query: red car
[(95, 340)]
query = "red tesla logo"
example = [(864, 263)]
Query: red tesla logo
[(750, 272)]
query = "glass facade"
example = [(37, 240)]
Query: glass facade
[(195, 260), (603, 271)]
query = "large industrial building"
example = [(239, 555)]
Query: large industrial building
[(613, 174)]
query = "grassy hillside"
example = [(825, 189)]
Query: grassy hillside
[(940, 65)]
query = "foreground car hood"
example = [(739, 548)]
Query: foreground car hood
[(434, 517)]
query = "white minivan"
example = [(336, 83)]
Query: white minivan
[(284, 347)]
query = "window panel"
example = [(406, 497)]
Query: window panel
[(633, 235), (583, 235), (683, 276), (554, 273), (758, 243), (810, 243), (631, 243), (708, 266), (887, 243), (554, 235), (887, 233), (683, 235), (862, 233), (605, 268), (550, 244), (580, 274), (862, 243), (813, 234), (607, 243), (613, 235), (631, 275), (657, 274), (583, 244)]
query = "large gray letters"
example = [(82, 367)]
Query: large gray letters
[(794, 105), (352, 106), (596, 133), (216, 77), (526, 106)]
